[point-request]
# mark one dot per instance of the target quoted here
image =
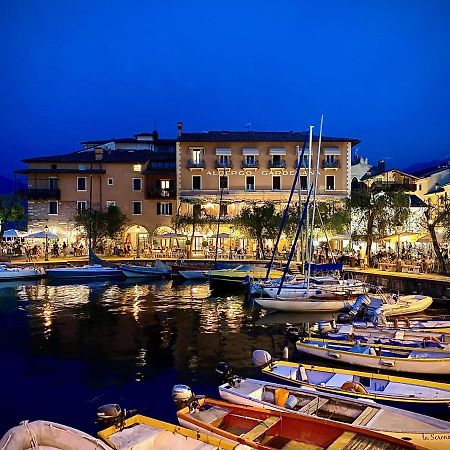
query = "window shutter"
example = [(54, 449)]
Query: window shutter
[(170, 209), (158, 208)]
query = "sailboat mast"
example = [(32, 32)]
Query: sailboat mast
[(308, 182), (90, 214)]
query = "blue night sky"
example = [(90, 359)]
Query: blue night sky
[(76, 70)]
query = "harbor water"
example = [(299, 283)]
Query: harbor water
[(67, 349)]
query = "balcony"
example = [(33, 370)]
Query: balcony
[(303, 164), (281, 164), (155, 192), (398, 186), (40, 193), (196, 164), (250, 165), (331, 164), (223, 164)]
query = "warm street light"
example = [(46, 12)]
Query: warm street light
[(137, 241), (46, 242)]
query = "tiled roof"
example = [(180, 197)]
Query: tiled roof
[(258, 136), (371, 174), (423, 173)]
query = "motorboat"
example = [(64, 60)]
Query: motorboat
[(87, 271), (239, 275), (307, 304), (416, 428), (399, 305), (49, 435), (386, 357), (159, 270), (9, 272), (423, 396), (141, 432), (265, 429)]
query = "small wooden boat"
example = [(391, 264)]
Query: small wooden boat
[(49, 435), (416, 428), (423, 396), (441, 325), (264, 430), (387, 357), (159, 270), (141, 432), (9, 272), (240, 274), (88, 271)]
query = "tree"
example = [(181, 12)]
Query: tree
[(259, 222), (375, 214), (101, 224), (10, 211)]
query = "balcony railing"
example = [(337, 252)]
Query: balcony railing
[(196, 164), (223, 164), (155, 192), (303, 164), (40, 193), (250, 165), (277, 164), (393, 186), (331, 164)]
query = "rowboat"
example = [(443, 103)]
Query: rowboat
[(43, 434), (141, 432), (441, 325), (268, 429), (387, 357), (416, 428), (88, 271), (12, 273), (423, 396), (159, 270), (240, 274)]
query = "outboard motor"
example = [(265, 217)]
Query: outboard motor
[(362, 301), (183, 396), (112, 414), (261, 358), (224, 372)]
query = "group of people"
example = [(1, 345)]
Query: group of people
[(34, 251)]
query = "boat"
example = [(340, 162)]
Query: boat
[(416, 428), (193, 274), (87, 271), (274, 429), (308, 304), (239, 275), (49, 435), (422, 396), (441, 325), (395, 305), (386, 357), (8, 272), (141, 432), (159, 270)]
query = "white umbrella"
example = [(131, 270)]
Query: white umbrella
[(42, 235), (11, 233)]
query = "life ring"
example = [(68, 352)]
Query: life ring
[(354, 386), (404, 319)]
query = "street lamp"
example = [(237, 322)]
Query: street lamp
[(137, 241), (398, 229), (46, 242)]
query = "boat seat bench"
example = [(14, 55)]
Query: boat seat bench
[(338, 380), (365, 416), (261, 428), (313, 405)]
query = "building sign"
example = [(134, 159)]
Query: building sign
[(251, 172)]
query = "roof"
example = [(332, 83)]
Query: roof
[(258, 136), (369, 175), (56, 171), (109, 156), (129, 140), (423, 173), (416, 202)]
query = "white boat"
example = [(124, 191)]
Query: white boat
[(159, 270), (406, 324), (194, 274), (49, 435), (303, 305), (427, 361), (416, 428), (88, 271), (9, 272), (392, 305)]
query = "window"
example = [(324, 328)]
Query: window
[(137, 184), (81, 167), (137, 167), (53, 183), (303, 182), (81, 206), (196, 182), (329, 185), (165, 187), (223, 210), (196, 155), (250, 160), (137, 208), (53, 166), (250, 183), (330, 158), (53, 208), (224, 160), (164, 209), (81, 183), (197, 210), (223, 182), (420, 187), (276, 183), (110, 181), (110, 203)]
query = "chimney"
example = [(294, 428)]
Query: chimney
[(98, 151), (155, 135), (179, 128), (381, 166)]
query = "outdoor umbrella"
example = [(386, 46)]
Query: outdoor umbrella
[(42, 235), (11, 233)]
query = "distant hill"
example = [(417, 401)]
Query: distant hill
[(6, 185)]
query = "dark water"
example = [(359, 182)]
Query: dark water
[(67, 349)]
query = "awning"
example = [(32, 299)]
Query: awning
[(250, 151), (331, 151), (42, 235), (12, 233), (277, 151), (223, 151)]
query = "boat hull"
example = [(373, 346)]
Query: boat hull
[(142, 272), (80, 273), (193, 274), (302, 305), (21, 274)]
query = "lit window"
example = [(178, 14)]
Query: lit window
[(164, 209), (197, 155), (137, 184), (110, 203), (81, 167), (137, 208), (81, 206), (110, 181), (53, 208), (81, 183), (137, 168)]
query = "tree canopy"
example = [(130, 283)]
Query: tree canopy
[(10, 211)]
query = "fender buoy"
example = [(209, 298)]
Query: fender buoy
[(354, 386), (404, 319)]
